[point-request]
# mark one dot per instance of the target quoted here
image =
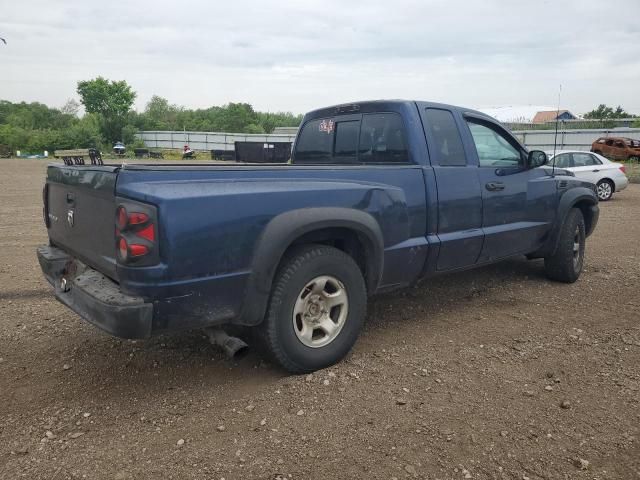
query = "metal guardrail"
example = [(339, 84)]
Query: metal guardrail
[(206, 140), (574, 139)]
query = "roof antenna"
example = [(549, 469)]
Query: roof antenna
[(555, 137)]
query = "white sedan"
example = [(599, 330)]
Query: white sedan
[(608, 176)]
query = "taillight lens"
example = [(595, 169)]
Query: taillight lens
[(623, 169), (135, 233), (138, 250), (148, 233), (123, 249), (138, 218), (122, 218)]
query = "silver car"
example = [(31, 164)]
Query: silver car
[(609, 176)]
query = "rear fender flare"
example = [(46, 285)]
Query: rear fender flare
[(283, 230)]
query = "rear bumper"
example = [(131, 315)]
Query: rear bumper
[(621, 182), (95, 297)]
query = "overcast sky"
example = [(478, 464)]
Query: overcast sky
[(298, 55)]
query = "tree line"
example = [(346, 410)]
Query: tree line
[(109, 117)]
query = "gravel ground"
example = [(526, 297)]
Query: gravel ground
[(491, 373)]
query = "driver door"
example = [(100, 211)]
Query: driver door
[(517, 202)]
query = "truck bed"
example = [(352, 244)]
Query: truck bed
[(213, 221)]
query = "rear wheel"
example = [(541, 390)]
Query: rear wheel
[(605, 190), (565, 265), (316, 310)]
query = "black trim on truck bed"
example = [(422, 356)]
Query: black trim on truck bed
[(95, 297)]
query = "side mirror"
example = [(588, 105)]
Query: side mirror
[(537, 158)]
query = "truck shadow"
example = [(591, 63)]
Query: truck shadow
[(452, 290), (187, 363)]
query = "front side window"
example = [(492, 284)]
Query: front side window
[(619, 144), (493, 147), (382, 139), (448, 143), (584, 160)]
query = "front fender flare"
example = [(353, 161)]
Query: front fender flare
[(567, 201)]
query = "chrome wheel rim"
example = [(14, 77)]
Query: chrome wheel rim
[(604, 190), (576, 248), (320, 311)]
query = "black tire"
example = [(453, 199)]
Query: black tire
[(566, 264), (298, 268), (605, 189)]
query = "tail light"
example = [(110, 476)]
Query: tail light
[(623, 169), (136, 233)]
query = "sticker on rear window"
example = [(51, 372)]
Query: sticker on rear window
[(327, 126)]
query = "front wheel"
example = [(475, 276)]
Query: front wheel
[(316, 310), (565, 265), (605, 190)]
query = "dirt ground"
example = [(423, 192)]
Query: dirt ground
[(492, 373)]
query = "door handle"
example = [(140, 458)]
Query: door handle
[(596, 170), (494, 186)]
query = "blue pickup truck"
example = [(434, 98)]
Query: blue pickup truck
[(377, 196)]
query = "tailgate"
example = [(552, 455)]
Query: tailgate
[(80, 207)]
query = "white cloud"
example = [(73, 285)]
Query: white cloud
[(298, 55)]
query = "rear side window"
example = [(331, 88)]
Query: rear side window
[(447, 137), (383, 139), (346, 146), (315, 143), (584, 160)]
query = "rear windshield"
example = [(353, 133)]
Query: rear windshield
[(368, 138), (633, 143), (315, 143)]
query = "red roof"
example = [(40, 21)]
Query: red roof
[(547, 116)]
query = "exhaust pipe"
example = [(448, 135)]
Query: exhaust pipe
[(233, 347)]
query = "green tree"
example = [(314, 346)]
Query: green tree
[(605, 112), (129, 134), (161, 114), (86, 133), (112, 100), (71, 107)]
